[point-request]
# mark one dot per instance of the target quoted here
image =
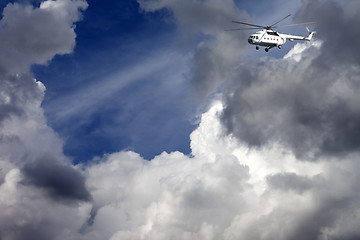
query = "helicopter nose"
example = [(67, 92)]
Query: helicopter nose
[(250, 40)]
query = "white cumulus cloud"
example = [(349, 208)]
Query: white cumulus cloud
[(225, 190)]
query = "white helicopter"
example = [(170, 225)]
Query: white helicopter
[(269, 38)]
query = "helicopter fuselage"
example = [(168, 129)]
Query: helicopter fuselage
[(271, 38), (266, 38)]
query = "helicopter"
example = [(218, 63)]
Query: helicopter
[(270, 38)]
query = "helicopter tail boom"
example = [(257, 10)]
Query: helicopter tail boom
[(293, 37)]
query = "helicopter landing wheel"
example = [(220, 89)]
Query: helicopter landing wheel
[(257, 47), (279, 46), (266, 49)]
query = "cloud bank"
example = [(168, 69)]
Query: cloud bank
[(275, 157), (38, 183), (223, 191)]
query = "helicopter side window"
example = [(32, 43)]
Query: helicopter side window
[(273, 33)]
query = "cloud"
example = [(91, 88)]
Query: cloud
[(34, 35), (305, 101), (333, 31), (61, 181), (26, 213), (29, 36), (290, 181)]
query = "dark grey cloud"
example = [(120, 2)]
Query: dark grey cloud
[(311, 226), (61, 182), (290, 182), (337, 25), (334, 210), (204, 81), (308, 105), (27, 231), (6, 110), (16, 91)]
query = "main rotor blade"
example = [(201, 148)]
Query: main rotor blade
[(235, 29), (295, 24), (280, 20), (254, 25)]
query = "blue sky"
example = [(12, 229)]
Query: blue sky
[(150, 113)]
